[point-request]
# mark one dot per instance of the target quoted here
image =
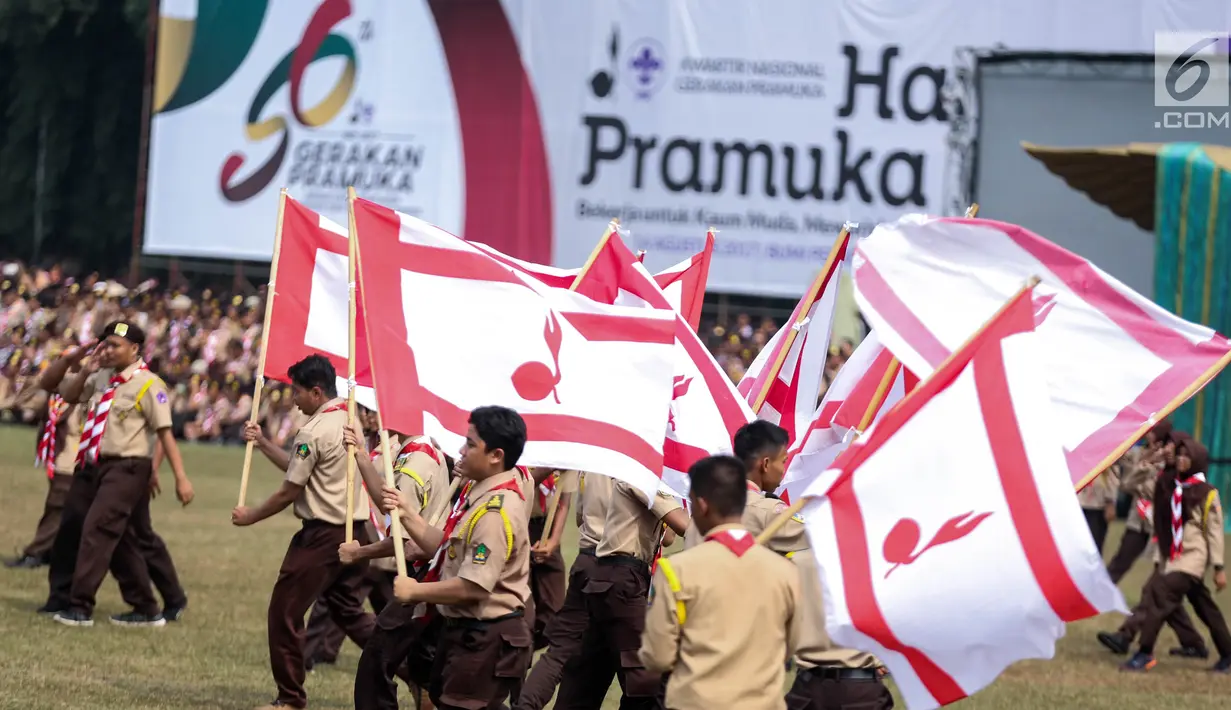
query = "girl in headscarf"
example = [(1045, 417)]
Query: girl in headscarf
[(1139, 468), (1189, 526)]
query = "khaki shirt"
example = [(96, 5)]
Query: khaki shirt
[(421, 474), (318, 463), (139, 408), (68, 438), (759, 511), (529, 491), (1101, 492), (630, 528), (724, 627), (815, 647), (490, 547), (1137, 478), (1203, 541), (594, 493)]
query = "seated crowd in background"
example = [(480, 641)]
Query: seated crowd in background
[(206, 345)]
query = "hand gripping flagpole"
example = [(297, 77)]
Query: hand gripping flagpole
[(776, 524), (259, 384), (351, 270), (386, 455), (771, 373)]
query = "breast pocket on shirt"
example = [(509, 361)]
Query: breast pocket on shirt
[(124, 408)]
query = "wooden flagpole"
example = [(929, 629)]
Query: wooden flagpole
[(771, 373), (260, 370), (351, 272), (972, 211), (612, 226), (776, 524), (386, 456)]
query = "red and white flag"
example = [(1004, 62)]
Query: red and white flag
[(592, 381), (311, 302), (683, 284), (783, 385), (1115, 362), (851, 394), (706, 410), (950, 590)]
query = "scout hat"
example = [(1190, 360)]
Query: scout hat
[(128, 331)]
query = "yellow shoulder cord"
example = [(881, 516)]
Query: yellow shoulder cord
[(417, 479), (508, 528), (790, 554), (673, 582), (1205, 522), (141, 393)]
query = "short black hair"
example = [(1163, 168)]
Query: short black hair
[(501, 428), (758, 439), (125, 330), (315, 371), (719, 481)]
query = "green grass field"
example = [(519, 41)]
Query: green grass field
[(217, 657)]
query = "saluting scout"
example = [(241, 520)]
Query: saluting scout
[(615, 601), (57, 450), (315, 485), (125, 404), (483, 558), (723, 619), (567, 629), (422, 479)]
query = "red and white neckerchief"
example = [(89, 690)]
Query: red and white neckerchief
[(1177, 519), (460, 506), (737, 540), (46, 454), (753, 488), (96, 420), (546, 488)]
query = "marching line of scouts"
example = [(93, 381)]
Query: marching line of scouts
[(719, 628), (725, 619)]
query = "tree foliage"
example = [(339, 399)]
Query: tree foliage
[(79, 66)]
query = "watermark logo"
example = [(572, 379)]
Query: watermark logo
[(1192, 73)]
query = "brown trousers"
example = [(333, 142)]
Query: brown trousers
[(399, 646), (478, 663), (564, 637), (323, 639), (815, 691), (546, 586), (1165, 593), (49, 523), (156, 559), (1178, 619), (311, 568), (616, 603), (1132, 545)]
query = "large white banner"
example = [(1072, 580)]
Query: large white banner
[(529, 124)]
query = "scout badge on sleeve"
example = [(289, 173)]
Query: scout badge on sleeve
[(480, 554), (302, 451)]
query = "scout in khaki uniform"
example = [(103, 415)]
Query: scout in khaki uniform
[(1186, 504), (480, 575), (124, 403), (421, 473), (723, 619), (57, 450), (315, 485), (547, 575), (615, 602), (762, 448), (1139, 469), (565, 633), (1098, 503)]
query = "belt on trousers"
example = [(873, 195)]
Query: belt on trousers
[(464, 623), (624, 560), (587, 551), (839, 673)]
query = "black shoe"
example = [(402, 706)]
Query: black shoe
[(1115, 643), (1190, 652), (51, 609), (134, 619), (175, 613), (25, 562), (1223, 665), (73, 618)]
